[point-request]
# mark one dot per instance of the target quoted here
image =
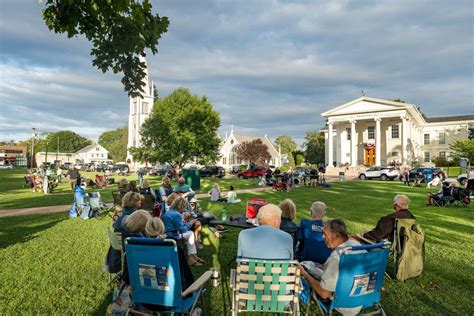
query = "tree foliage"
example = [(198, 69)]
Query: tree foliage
[(115, 142), (68, 141), (463, 149), (119, 31), (181, 127), (254, 151), (314, 147), (156, 96), (287, 146)]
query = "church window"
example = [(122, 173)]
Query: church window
[(426, 139), (231, 141), (348, 132), (427, 156), (144, 108), (224, 160), (395, 131), (442, 138), (371, 132)]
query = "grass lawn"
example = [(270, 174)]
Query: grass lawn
[(13, 195), (52, 264)]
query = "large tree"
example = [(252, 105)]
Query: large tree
[(314, 147), (287, 146), (463, 149), (253, 151), (181, 127), (68, 141), (115, 142), (119, 31)]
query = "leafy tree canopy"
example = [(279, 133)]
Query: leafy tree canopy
[(253, 151), (314, 147), (119, 31), (181, 127), (115, 142), (69, 142), (463, 149), (288, 146)]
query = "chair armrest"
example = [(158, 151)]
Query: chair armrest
[(198, 283)]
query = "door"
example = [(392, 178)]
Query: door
[(369, 156)]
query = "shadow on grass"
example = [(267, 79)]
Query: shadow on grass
[(20, 229)]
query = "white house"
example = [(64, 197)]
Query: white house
[(140, 109), (228, 157), (92, 153), (369, 131)]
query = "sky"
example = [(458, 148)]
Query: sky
[(267, 66)]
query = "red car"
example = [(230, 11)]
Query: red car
[(252, 173)]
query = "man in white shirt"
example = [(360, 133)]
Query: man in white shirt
[(336, 237)]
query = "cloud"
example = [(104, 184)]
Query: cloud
[(269, 67)]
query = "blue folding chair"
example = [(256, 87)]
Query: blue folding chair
[(360, 279), (155, 277), (312, 246)]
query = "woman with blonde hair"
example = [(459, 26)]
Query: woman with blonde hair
[(165, 188), (131, 201), (215, 194), (135, 224), (177, 228), (288, 214), (155, 228)]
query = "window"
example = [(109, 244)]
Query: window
[(442, 138), (97, 149), (442, 154), (371, 132), (427, 156), (102, 155), (426, 139), (395, 153), (144, 108), (134, 110), (224, 161), (348, 131), (395, 131)]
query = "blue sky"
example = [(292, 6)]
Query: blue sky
[(268, 67)]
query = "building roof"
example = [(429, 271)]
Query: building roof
[(449, 118), (87, 148), (247, 138)]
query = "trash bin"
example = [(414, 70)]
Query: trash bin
[(341, 176), (192, 178)]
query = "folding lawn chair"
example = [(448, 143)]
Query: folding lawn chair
[(265, 286), (115, 241), (155, 277), (408, 249), (360, 279), (98, 208)]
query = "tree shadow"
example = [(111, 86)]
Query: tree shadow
[(21, 229)]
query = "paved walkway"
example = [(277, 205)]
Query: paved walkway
[(330, 177)]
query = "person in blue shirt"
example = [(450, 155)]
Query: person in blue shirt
[(266, 241), (131, 201), (177, 228), (184, 190)]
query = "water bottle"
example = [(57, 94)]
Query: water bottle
[(224, 215)]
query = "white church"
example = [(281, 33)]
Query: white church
[(369, 131), (140, 109)]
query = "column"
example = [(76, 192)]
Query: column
[(353, 144), (404, 139), (377, 142), (330, 146)]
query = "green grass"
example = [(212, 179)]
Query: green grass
[(52, 264), (13, 195)]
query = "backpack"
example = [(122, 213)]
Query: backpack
[(409, 249)]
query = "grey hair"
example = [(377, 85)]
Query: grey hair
[(338, 227), (402, 200), (268, 211), (318, 209)]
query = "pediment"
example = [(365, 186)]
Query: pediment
[(364, 105)]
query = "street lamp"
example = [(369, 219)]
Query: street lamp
[(33, 147)]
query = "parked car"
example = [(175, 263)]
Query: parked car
[(102, 167), (212, 171), (255, 173), (383, 173), (418, 173), (6, 166), (121, 168), (235, 169), (164, 170), (66, 165)]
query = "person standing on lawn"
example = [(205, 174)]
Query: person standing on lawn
[(74, 176)]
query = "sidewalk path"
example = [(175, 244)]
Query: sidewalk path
[(65, 208)]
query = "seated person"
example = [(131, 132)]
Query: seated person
[(311, 245), (336, 237), (434, 183), (146, 188), (215, 194), (385, 225), (279, 185), (444, 191), (177, 227), (165, 188), (155, 228), (266, 241), (135, 224), (232, 196), (130, 202), (132, 186), (288, 214), (123, 186), (184, 190)]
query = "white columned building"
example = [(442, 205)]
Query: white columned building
[(369, 131), (140, 109)]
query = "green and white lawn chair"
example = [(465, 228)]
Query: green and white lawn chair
[(265, 286)]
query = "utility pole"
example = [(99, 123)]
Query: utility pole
[(57, 150), (33, 147), (46, 158)]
